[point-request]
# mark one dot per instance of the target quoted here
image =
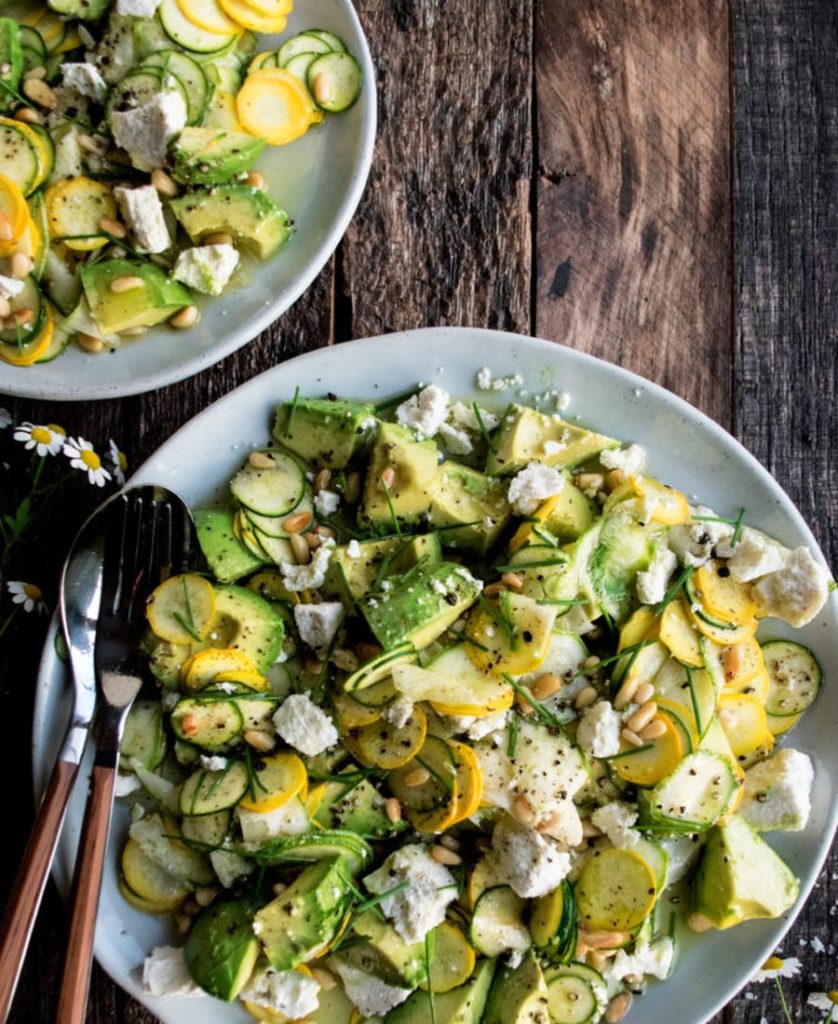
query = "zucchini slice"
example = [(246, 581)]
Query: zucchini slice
[(270, 492), (334, 80), (19, 156), (147, 880), (211, 725), (209, 792), (696, 795), (188, 35), (497, 924), (794, 677), (575, 993)]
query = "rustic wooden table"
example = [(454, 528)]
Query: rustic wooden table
[(652, 182)]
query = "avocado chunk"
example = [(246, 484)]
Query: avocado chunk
[(414, 465), (228, 558), (304, 919), (571, 513), (248, 214), (420, 605), (87, 10), (518, 995), (246, 622), (740, 878), (211, 156), (462, 1005), (11, 60), (324, 431), (529, 436), (354, 577), (221, 950), (358, 807), (157, 299), (471, 502), (385, 954)]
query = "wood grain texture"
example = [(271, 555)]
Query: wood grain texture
[(633, 191), (443, 233)]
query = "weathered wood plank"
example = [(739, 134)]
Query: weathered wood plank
[(443, 235), (633, 192)]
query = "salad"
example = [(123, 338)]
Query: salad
[(130, 135), (467, 719)]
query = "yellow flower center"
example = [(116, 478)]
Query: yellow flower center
[(90, 459), (32, 592), (54, 427), (123, 462), (833, 996), (41, 435), (773, 963)]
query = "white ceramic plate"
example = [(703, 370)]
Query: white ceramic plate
[(685, 448), (318, 180)]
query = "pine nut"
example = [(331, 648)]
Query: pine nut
[(28, 116), (417, 777), (393, 809), (367, 651), (259, 740), (261, 460), (38, 72), (732, 662), (699, 923), (352, 491), (89, 343), (325, 532), (589, 482), (523, 704), (585, 698), (322, 480), (5, 307), (278, 888), (22, 317), (320, 90), (644, 693), (550, 824), (655, 728), (183, 923), (602, 940), (217, 238), (190, 725), (163, 183), (39, 92), (625, 695), (313, 665), (296, 522), (589, 829), (133, 332), (204, 897), (617, 1008), (512, 580), (523, 811), (614, 479), (302, 552), (313, 539), (255, 180), (641, 718), (493, 589), (88, 143), (388, 477), (442, 855), (545, 686), (591, 661), (632, 738), (21, 265), (185, 318), (596, 959), (113, 227), (452, 842), (128, 283), (325, 979), (6, 232)]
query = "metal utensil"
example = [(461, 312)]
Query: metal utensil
[(80, 594), (149, 536)]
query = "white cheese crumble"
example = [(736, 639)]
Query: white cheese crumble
[(778, 792), (426, 412), (464, 415), (599, 730), (165, 973), (318, 623), (398, 712), (353, 549), (615, 821), (529, 863), (752, 556), (478, 728), (143, 213), (693, 542), (86, 81), (207, 268), (456, 441), (305, 726), (137, 8), (290, 993), (631, 461), (311, 576), (486, 382), (797, 592), (653, 959), (369, 994), (420, 907), (10, 287), (230, 867), (213, 763), (145, 132), (563, 400), (126, 784), (652, 583), (326, 502), (533, 485)]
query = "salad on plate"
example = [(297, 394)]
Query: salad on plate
[(469, 717)]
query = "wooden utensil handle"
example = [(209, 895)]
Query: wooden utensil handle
[(87, 883), (22, 908)]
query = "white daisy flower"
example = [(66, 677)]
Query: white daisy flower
[(46, 440), (776, 967), (27, 594), (5, 418), (827, 1001), (83, 457), (118, 462)]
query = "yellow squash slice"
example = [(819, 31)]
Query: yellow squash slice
[(272, 8), (514, 638), (244, 14), (453, 960), (182, 608), (385, 745), (201, 669), (274, 105), (14, 209), (75, 208), (647, 765), (743, 719), (31, 350), (678, 634), (615, 891), (722, 595), (666, 505), (278, 779), (469, 780), (207, 14)]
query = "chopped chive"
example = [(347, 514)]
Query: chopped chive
[(628, 753), (674, 590), (514, 729), (499, 618), (737, 531), (373, 901), (445, 783), (393, 515), (428, 972), (482, 426), (467, 639), (566, 601), (402, 396), (292, 411), (546, 716), (604, 662), (548, 540), (694, 700)]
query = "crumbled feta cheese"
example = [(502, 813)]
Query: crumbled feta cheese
[(144, 132), (693, 542), (653, 959), (426, 412), (706, 530), (318, 623), (126, 784), (258, 827), (420, 907), (464, 415), (353, 549), (778, 792), (398, 712), (533, 485), (137, 8), (207, 268), (456, 441), (165, 973), (311, 576), (213, 763), (226, 687), (326, 502), (369, 994), (652, 583), (290, 993), (599, 730), (143, 212), (551, 448), (631, 461), (753, 555), (86, 81), (305, 726), (615, 820), (230, 867), (479, 728), (797, 592), (10, 287), (486, 382), (529, 863), (563, 400)]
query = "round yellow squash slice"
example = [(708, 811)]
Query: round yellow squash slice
[(274, 105)]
